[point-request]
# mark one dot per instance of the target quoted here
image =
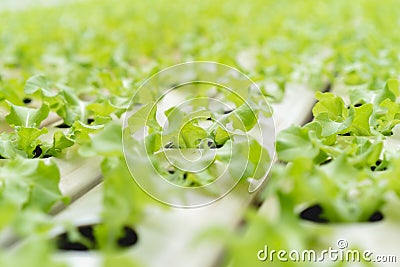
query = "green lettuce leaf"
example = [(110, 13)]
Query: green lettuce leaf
[(27, 117), (30, 183)]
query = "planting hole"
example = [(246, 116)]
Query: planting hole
[(171, 170), (376, 217), (63, 126), (87, 240), (64, 241), (37, 153), (378, 166), (313, 214), (129, 237), (27, 100)]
